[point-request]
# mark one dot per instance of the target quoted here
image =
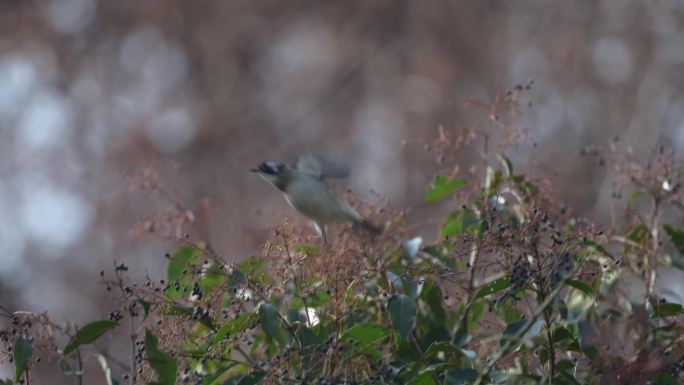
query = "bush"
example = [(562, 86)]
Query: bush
[(514, 291)]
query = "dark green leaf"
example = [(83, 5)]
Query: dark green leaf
[(402, 312), (564, 365), (306, 336), (662, 310), (430, 307), (638, 234), (269, 319), (561, 333), (89, 334), (163, 364), (441, 187), (515, 327), (492, 287), (23, 351), (581, 286), (460, 376), (423, 378)]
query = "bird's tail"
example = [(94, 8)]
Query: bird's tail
[(358, 220)]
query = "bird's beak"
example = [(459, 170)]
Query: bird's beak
[(254, 170)]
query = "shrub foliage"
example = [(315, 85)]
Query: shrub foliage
[(516, 290)]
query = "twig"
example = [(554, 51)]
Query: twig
[(517, 336)]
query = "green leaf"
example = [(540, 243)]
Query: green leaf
[(581, 286), (89, 334), (662, 310), (447, 347), (178, 263), (163, 364), (365, 333), (441, 187), (6, 382), (252, 379), (459, 222), (238, 324), (492, 287), (269, 319), (145, 305), (430, 306), (676, 236), (564, 365), (107, 371), (639, 234), (306, 336), (402, 312), (180, 259), (23, 351), (561, 333)]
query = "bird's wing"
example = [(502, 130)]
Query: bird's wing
[(320, 167)]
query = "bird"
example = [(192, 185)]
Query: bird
[(304, 187)]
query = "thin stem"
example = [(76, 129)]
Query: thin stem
[(294, 279), (414, 342), (650, 288), (521, 332), (552, 349), (133, 336), (79, 367)]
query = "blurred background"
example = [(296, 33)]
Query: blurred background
[(93, 91)]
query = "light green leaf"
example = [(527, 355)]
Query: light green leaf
[(163, 364), (442, 186), (365, 333), (180, 259), (234, 326), (459, 222), (581, 286)]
